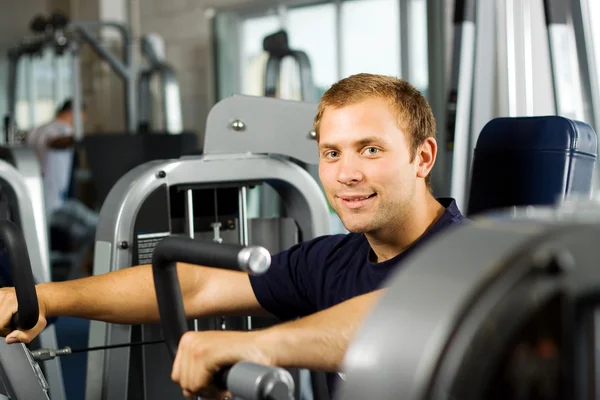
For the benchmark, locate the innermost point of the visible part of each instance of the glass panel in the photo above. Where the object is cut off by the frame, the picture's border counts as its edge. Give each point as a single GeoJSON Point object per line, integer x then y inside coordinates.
{"type": "Point", "coordinates": [312, 29]}
{"type": "Point", "coordinates": [254, 59]}
{"type": "Point", "coordinates": [370, 37]}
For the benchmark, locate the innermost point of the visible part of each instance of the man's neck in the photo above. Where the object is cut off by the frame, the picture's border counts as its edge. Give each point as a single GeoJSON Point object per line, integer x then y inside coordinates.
{"type": "Point", "coordinates": [389, 243]}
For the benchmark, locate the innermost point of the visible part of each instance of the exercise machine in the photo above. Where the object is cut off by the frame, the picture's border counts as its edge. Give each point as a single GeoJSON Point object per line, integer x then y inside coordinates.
{"type": "Point", "coordinates": [244, 380]}
{"type": "Point", "coordinates": [499, 70]}
{"type": "Point", "coordinates": [153, 48]}
{"type": "Point", "coordinates": [203, 197]}
{"type": "Point", "coordinates": [513, 317]}
{"type": "Point", "coordinates": [63, 37]}
{"type": "Point", "coordinates": [22, 197]}
{"type": "Point", "coordinates": [20, 375]}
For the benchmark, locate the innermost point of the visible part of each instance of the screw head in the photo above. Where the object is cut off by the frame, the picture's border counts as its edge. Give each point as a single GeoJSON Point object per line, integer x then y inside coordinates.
{"type": "Point", "coordinates": [161, 174]}
{"type": "Point", "coordinates": [238, 125]}
{"type": "Point", "coordinates": [124, 245]}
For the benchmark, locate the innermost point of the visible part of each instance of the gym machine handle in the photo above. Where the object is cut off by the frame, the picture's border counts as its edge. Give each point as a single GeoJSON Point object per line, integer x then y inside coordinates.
{"type": "Point", "coordinates": [244, 379]}
{"type": "Point", "coordinates": [20, 268]}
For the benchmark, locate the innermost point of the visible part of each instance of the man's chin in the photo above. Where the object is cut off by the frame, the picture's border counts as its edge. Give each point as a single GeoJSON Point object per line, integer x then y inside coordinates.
{"type": "Point", "coordinates": [355, 227]}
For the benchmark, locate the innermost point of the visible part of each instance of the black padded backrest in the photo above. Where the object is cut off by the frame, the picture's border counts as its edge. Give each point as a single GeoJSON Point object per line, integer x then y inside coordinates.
{"type": "Point", "coordinates": [112, 155]}
{"type": "Point", "coordinates": [531, 161]}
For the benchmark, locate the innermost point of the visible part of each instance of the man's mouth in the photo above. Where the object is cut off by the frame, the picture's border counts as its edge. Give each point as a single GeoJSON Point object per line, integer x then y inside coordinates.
{"type": "Point", "coordinates": [356, 200]}
{"type": "Point", "coordinates": [352, 198]}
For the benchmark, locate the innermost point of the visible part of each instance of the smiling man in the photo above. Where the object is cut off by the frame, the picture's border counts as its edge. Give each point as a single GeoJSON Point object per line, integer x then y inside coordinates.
{"type": "Point", "coordinates": [376, 137]}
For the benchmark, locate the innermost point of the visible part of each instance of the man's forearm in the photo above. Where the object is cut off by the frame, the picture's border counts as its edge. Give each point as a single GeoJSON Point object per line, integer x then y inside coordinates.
{"type": "Point", "coordinates": [319, 341]}
{"type": "Point", "coordinates": [62, 142]}
{"type": "Point", "coordinates": [123, 297]}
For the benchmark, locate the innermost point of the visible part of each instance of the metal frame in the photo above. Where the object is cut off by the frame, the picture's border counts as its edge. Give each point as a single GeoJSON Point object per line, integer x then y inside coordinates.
{"type": "Point", "coordinates": [82, 31]}
{"type": "Point", "coordinates": [460, 100]}
{"type": "Point", "coordinates": [588, 71]}
{"type": "Point", "coordinates": [19, 375]}
{"type": "Point", "coordinates": [387, 361]}
{"type": "Point", "coordinates": [25, 193]}
{"type": "Point", "coordinates": [169, 87]}
{"type": "Point", "coordinates": [437, 91]}
{"type": "Point", "coordinates": [236, 130]}
{"type": "Point", "coordinates": [557, 13]}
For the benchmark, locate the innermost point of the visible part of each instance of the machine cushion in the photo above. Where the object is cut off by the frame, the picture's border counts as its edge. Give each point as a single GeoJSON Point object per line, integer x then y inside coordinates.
{"type": "Point", "coordinates": [531, 161]}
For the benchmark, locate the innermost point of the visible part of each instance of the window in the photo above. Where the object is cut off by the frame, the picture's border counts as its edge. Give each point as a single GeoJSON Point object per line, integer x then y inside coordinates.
{"type": "Point", "coordinates": [43, 83]}
{"type": "Point", "coordinates": [312, 30]}
{"type": "Point", "coordinates": [340, 39]}
{"type": "Point", "coordinates": [370, 37]}
{"type": "Point", "coordinates": [253, 31]}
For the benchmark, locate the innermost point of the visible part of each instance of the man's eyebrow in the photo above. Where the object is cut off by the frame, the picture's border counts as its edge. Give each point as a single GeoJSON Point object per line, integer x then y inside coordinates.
{"type": "Point", "coordinates": [370, 140]}
{"type": "Point", "coordinates": [330, 146]}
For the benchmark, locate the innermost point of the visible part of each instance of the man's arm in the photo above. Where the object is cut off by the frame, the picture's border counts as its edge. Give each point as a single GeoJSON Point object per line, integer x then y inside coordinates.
{"type": "Point", "coordinates": [316, 342]}
{"type": "Point", "coordinates": [128, 297]}
{"type": "Point", "coordinates": [60, 142]}
{"type": "Point", "coordinates": [319, 341]}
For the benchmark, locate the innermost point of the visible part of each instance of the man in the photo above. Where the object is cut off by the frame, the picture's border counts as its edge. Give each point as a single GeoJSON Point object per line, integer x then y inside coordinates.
{"type": "Point", "coordinates": [53, 144]}
{"type": "Point", "coordinates": [376, 140]}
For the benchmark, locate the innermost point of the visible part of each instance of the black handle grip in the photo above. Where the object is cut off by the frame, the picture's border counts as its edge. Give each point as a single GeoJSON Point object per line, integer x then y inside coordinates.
{"type": "Point", "coordinates": [184, 249]}
{"type": "Point", "coordinates": [20, 268]}
{"type": "Point", "coordinates": [246, 380]}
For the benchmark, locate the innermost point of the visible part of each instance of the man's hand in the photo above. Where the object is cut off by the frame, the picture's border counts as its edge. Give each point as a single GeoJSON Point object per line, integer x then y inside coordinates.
{"type": "Point", "coordinates": [201, 355]}
{"type": "Point", "coordinates": [8, 307]}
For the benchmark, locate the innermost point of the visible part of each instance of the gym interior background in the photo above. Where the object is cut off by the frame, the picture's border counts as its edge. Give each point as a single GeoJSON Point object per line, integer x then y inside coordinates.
{"type": "Point", "coordinates": [506, 60]}
{"type": "Point", "coordinates": [215, 50]}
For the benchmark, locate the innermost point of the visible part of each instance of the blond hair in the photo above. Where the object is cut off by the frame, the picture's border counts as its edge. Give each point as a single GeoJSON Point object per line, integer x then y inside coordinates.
{"type": "Point", "coordinates": [413, 113]}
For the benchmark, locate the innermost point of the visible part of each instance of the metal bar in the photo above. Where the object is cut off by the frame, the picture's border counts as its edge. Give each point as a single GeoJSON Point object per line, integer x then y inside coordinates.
{"type": "Point", "coordinates": [171, 99]}
{"type": "Point", "coordinates": [13, 62]}
{"type": "Point", "coordinates": [77, 93]}
{"type": "Point", "coordinates": [307, 86]}
{"type": "Point", "coordinates": [126, 70]}
{"type": "Point", "coordinates": [339, 52]}
{"type": "Point", "coordinates": [511, 58]}
{"type": "Point", "coordinates": [144, 104]}
{"type": "Point", "coordinates": [528, 55]}
{"type": "Point", "coordinates": [404, 9]}
{"type": "Point", "coordinates": [56, 86]}
{"type": "Point", "coordinates": [189, 226]}
{"type": "Point", "coordinates": [117, 65]}
{"type": "Point", "coordinates": [272, 74]}
{"type": "Point", "coordinates": [460, 101]}
{"type": "Point", "coordinates": [189, 213]}
{"type": "Point", "coordinates": [436, 92]}
{"type": "Point", "coordinates": [31, 92]}
{"type": "Point", "coordinates": [243, 229]}
{"type": "Point", "coordinates": [588, 68]}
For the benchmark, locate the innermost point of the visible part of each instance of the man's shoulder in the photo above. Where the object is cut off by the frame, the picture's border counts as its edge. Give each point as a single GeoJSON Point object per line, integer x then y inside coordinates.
{"type": "Point", "coordinates": [452, 213]}
{"type": "Point", "coordinates": [322, 247]}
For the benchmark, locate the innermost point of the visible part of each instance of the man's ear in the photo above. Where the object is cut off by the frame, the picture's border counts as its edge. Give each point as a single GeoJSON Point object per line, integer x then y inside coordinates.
{"type": "Point", "coordinates": [425, 157]}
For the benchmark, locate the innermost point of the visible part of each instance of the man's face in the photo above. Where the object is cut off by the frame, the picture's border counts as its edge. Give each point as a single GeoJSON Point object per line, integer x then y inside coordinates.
{"type": "Point", "coordinates": [365, 165]}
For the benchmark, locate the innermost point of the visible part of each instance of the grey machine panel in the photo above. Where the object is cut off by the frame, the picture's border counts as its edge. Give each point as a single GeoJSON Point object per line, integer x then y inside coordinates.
{"type": "Point", "coordinates": [435, 319]}
{"type": "Point", "coordinates": [18, 366]}
{"type": "Point", "coordinates": [237, 129]}
{"type": "Point", "coordinates": [20, 177]}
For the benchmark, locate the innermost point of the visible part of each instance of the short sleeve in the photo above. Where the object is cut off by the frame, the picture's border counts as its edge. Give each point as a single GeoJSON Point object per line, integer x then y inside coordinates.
{"type": "Point", "coordinates": [287, 290]}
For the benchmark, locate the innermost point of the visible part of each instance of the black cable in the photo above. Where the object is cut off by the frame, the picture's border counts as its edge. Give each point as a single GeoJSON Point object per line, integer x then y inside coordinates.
{"type": "Point", "coordinates": [115, 346]}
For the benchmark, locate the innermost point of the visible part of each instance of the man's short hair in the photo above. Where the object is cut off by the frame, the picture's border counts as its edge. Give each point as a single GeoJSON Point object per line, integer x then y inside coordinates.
{"type": "Point", "coordinates": [413, 113]}
{"type": "Point", "coordinates": [67, 106]}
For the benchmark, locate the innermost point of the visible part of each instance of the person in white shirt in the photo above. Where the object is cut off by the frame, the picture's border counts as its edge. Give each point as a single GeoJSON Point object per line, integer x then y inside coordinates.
{"type": "Point", "coordinates": [54, 143]}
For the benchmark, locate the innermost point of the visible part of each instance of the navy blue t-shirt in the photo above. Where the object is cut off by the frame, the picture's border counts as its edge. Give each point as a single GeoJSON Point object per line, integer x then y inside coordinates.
{"type": "Point", "coordinates": [325, 271]}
